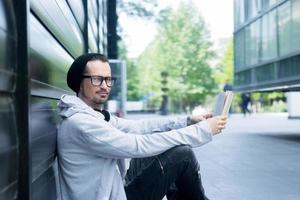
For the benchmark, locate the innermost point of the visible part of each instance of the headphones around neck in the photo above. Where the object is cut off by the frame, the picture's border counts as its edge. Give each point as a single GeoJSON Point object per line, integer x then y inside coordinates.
{"type": "Point", "coordinates": [105, 113]}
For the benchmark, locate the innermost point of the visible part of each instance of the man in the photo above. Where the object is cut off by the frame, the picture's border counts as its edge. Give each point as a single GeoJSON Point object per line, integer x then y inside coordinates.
{"type": "Point", "coordinates": [246, 100]}
{"type": "Point", "coordinates": [92, 144]}
{"type": "Point", "coordinates": [227, 86]}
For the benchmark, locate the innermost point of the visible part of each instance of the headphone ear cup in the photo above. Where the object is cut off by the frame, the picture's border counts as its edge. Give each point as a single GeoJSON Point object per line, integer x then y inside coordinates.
{"type": "Point", "coordinates": [106, 115]}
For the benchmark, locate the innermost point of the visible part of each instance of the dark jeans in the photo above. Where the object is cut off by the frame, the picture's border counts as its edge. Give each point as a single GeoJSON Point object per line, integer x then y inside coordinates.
{"type": "Point", "coordinates": [174, 173]}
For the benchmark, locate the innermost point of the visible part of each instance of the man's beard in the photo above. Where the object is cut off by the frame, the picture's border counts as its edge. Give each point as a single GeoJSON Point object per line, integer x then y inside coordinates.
{"type": "Point", "coordinates": [97, 99]}
{"type": "Point", "coordinates": [101, 97]}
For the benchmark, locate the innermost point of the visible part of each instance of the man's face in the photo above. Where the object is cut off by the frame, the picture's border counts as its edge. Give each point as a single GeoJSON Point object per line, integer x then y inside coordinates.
{"type": "Point", "coordinates": [91, 94]}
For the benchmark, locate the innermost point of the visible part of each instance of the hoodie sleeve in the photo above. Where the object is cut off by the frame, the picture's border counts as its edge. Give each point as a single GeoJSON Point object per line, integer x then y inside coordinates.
{"type": "Point", "coordinates": [145, 126]}
{"type": "Point", "coordinates": [104, 140]}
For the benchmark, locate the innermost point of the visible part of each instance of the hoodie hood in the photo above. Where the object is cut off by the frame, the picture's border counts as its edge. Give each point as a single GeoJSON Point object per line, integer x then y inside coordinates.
{"type": "Point", "coordinates": [70, 105]}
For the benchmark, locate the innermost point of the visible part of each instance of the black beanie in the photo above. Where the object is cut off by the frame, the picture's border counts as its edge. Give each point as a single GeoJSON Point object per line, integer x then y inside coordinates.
{"type": "Point", "coordinates": [76, 70]}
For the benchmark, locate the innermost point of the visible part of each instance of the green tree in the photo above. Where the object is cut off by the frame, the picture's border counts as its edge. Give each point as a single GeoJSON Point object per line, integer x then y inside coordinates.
{"type": "Point", "coordinates": [224, 72]}
{"type": "Point", "coordinates": [146, 9]}
{"type": "Point", "coordinates": [133, 93]}
{"type": "Point", "coordinates": [181, 48]}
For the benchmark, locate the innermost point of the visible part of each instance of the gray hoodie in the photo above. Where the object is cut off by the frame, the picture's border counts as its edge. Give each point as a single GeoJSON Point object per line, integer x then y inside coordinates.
{"type": "Point", "coordinates": [89, 147]}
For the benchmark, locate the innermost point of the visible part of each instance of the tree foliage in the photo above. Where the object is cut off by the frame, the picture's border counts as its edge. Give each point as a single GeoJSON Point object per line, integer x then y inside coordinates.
{"type": "Point", "coordinates": [224, 71]}
{"type": "Point", "coordinates": [146, 9]}
{"type": "Point", "coordinates": [133, 92]}
{"type": "Point", "coordinates": [181, 48]}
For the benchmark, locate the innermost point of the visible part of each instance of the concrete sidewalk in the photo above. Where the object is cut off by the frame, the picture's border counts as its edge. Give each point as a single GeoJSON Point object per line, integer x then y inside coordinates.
{"type": "Point", "coordinates": [256, 158]}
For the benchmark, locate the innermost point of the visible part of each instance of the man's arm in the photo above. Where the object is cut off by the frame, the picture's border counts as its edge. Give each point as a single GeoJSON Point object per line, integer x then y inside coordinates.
{"type": "Point", "coordinates": [145, 126]}
{"type": "Point", "coordinates": [197, 118]}
{"type": "Point", "coordinates": [102, 139]}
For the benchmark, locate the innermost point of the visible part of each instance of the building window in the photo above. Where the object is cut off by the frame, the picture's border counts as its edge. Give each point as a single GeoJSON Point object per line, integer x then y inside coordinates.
{"type": "Point", "coordinates": [268, 3]}
{"type": "Point", "coordinates": [289, 67]}
{"type": "Point", "coordinates": [252, 42]}
{"type": "Point", "coordinates": [239, 49]}
{"type": "Point", "coordinates": [269, 36]}
{"type": "Point", "coordinates": [239, 18]}
{"type": "Point", "coordinates": [295, 25]}
{"type": "Point", "coordinates": [265, 73]}
{"type": "Point", "coordinates": [284, 26]}
{"type": "Point", "coordinates": [253, 8]}
{"type": "Point", "coordinates": [272, 2]}
{"type": "Point", "coordinates": [243, 78]}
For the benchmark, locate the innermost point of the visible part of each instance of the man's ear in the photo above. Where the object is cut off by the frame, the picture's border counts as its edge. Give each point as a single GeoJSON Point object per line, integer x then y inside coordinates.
{"type": "Point", "coordinates": [80, 89]}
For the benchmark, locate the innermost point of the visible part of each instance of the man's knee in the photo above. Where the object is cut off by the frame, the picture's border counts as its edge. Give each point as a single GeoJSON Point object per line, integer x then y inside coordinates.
{"type": "Point", "coordinates": [183, 153]}
{"type": "Point", "coordinates": [182, 150]}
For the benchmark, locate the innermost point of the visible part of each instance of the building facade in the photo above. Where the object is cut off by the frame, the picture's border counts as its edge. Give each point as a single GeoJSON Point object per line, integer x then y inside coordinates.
{"type": "Point", "coordinates": [267, 45]}
{"type": "Point", "coordinates": [39, 40]}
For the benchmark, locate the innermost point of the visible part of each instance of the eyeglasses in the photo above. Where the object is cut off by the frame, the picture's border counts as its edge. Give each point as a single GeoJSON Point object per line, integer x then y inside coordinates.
{"type": "Point", "coordinates": [98, 80]}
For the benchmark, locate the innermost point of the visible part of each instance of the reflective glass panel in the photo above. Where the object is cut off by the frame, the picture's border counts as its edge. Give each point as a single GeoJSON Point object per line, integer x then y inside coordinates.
{"type": "Point", "coordinates": [269, 36]}
{"type": "Point", "coordinates": [295, 25]}
{"type": "Point", "coordinates": [284, 25]}
{"type": "Point", "coordinates": [252, 43]}
{"type": "Point", "coordinates": [239, 49]}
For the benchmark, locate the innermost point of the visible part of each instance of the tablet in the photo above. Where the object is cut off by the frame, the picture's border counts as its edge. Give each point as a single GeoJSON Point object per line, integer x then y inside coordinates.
{"type": "Point", "coordinates": [223, 103]}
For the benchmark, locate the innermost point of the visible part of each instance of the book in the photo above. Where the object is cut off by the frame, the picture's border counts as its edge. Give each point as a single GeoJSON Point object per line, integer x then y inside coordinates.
{"type": "Point", "coordinates": [223, 103]}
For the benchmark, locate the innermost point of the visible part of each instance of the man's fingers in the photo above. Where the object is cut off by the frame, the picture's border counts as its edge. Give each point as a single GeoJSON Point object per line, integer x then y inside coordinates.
{"type": "Point", "coordinates": [207, 116]}
{"type": "Point", "coordinates": [222, 122]}
{"type": "Point", "coordinates": [221, 126]}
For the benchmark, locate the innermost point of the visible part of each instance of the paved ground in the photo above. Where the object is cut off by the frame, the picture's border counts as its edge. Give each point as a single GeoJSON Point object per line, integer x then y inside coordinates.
{"type": "Point", "coordinates": [256, 158]}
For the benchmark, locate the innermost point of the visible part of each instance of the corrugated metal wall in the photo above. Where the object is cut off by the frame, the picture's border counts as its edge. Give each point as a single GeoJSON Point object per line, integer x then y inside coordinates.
{"type": "Point", "coordinates": [58, 31]}
{"type": "Point", "coordinates": [8, 128]}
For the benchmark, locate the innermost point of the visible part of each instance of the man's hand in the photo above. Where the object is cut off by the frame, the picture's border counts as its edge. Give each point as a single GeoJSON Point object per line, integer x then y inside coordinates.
{"type": "Point", "coordinates": [217, 124]}
{"type": "Point", "coordinates": [198, 118]}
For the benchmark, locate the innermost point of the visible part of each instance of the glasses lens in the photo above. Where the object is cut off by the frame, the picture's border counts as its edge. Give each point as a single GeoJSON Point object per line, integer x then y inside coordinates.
{"type": "Point", "coordinates": [108, 81]}
{"type": "Point", "coordinates": [97, 80]}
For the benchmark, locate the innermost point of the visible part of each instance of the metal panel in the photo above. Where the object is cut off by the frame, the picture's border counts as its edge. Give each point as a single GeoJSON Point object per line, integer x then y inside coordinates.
{"type": "Point", "coordinates": [112, 37]}
{"type": "Point", "coordinates": [7, 48]}
{"type": "Point", "coordinates": [93, 18]}
{"type": "Point", "coordinates": [78, 11]}
{"type": "Point", "coordinates": [3, 23]}
{"type": "Point", "coordinates": [28, 123]}
{"type": "Point", "coordinates": [49, 62]}
{"type": "Point", "coordinates": [8, 132]}
{"type": "Point", "coordinates": [43, 121]}
{"type": "Point", "coordinates": [58, 18]}
{"type": "Point", "coordinates": [92, 40]}
{"type": "Point", "coordinates": [8, 149]}
{"type": "Point", "coordinates": [45, 187]}
{"type": "Point", "coordinates": [7, 62]}
{"type": "Point", "coordinates": [21, 98]}
{"type": "Point", "coordinates": [40, 89]}
{"type": "Point", "coordinates": [94, 7]}
{"type": "Point", "coordinates": [102, 29]}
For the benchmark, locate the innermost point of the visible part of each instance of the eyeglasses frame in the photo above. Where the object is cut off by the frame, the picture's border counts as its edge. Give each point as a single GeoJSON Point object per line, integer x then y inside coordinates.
{"type": "Point", "coordinates": [102, 78]}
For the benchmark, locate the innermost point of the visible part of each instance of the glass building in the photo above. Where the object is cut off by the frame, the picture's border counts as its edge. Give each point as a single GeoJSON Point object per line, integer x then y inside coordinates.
{"type": "Point", "coordinates": [267, 45]}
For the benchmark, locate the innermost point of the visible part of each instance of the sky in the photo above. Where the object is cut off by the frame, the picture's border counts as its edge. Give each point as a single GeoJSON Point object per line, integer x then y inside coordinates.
{"type": "Point", "coordinates": [218, 15]}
